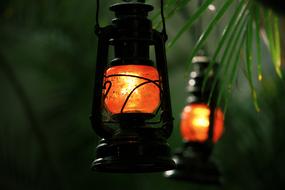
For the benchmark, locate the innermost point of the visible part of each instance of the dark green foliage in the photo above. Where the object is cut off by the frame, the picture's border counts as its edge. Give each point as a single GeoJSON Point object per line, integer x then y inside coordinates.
{"type": "Point", "coordinates": [252, 151]}
{"type": "Point", "coordinates": [47, 58]}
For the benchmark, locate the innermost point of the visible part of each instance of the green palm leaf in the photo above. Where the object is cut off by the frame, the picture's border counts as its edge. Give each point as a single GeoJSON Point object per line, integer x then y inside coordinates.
{"type": "Point", "coordinates": [253, 27]}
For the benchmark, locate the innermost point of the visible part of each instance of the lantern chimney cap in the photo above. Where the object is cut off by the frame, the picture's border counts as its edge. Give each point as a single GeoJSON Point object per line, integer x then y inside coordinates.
{"type": "Point", "coordinates": [131, 8]}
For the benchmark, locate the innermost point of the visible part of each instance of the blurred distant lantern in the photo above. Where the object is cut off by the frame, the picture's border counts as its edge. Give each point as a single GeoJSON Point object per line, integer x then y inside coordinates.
{"type": "Point", "coordinates": [131, 109]}
{"type": "Point", "coordinates": [201, 127]}
{"type": "Point", "coordinates": [195, 123]}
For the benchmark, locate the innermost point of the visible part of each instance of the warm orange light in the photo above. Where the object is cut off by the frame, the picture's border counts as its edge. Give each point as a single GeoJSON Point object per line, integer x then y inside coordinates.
{"type": "Point", "coordinates": [132, 89]}
{"type": "Point", "coordinates": [195, 122]}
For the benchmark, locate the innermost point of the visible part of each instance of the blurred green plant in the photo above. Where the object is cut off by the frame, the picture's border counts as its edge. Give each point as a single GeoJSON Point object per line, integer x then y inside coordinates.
{"type": "Point", "coordinates": [247, 24]}
{"type": "Point", "coordinates": [252, 150]}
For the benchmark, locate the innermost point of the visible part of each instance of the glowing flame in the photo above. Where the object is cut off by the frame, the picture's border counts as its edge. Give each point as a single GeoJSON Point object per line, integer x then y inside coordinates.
{"type": "Point", "coordinates": [132, 89]}
{"type": "Point", "coordinates": [195, 123]}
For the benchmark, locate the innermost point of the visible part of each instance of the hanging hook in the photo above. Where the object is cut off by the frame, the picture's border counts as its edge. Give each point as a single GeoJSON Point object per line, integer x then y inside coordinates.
{"type": "Point", "coordinates": [97, 28]}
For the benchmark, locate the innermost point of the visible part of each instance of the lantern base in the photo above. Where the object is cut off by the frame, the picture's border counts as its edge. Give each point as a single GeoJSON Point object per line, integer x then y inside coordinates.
{"type": "Point", "coordinates": [130, 155]}
{"type": "Point", "coordinates": [192, 167]}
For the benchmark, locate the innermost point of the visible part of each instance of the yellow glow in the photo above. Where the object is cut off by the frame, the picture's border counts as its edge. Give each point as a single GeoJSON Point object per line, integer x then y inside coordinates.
{"type": "Point", "coordinates": [128, 84]}
{"type": "Point", "coordinates": [201, 122]}
{"type": "Point", "coordinates": [201, 117]}
{"type": "Point", "coordinates": [201, 111]}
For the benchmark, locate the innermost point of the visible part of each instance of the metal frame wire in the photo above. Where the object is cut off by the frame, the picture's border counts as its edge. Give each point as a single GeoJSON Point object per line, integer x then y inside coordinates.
{"type": "Point", "coordinates": [147, 81]}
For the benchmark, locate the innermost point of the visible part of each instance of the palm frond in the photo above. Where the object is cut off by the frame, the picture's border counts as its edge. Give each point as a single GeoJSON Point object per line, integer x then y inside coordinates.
{"type": "Point", "coordinates": [208, 30]}
{"type": "Point", "coordinates": [258, 43]}
{"type": "Point", "coordinates": [190, 22]}
{"type": "Point", "coordinates": [253, 11]}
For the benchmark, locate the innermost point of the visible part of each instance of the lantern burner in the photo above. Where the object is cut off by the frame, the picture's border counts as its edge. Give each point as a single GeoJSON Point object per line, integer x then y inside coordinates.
{"type": "Point", "coordinates": [133, 152]}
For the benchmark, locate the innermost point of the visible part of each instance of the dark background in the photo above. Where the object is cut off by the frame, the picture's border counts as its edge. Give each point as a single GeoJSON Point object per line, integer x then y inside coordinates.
{"type": "Point", "coordinates": [47, 59]}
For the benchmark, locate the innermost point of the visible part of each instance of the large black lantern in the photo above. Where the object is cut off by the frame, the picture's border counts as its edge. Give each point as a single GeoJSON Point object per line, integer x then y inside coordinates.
{"type": "Point", "coordinates": [201, 127]}
{"type": "Point", "coordinates": [131, 108]}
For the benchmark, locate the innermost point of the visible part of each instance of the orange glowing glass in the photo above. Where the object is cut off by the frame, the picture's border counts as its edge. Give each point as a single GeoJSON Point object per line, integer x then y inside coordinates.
{"type": "Point", "coordinates": [132, 89]}
{"type": "Point", "coordinates": [195, 123]}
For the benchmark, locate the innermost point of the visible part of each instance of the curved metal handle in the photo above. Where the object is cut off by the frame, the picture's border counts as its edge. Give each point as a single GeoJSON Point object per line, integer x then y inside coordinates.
{"type": "Point", "coordinates": [104, 36]}
{"type": "Point", "coordinates": [167, 118]}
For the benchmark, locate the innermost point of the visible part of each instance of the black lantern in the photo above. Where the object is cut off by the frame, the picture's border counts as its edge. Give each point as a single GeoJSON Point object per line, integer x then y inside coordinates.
{"type": "Point", "coordinates": [201, 127]}
{"type": "Point", "coordinates": [131, 109]}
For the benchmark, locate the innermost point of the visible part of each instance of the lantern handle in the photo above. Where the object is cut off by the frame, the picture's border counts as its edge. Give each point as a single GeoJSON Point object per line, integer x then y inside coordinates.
{"type": "Point", "coordinates": [163, 21]}
{"type": "Point", "coordinates": [104, 37]}
{"type": "Point", "coordinates": [97, 24]}
{"type": "Point", "coordinates": [166, 117]}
